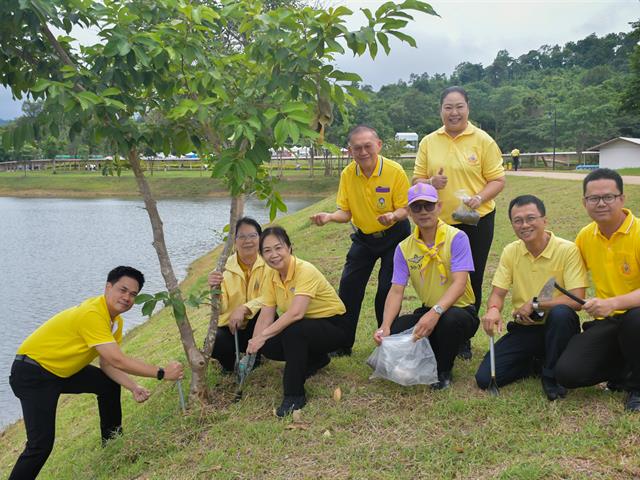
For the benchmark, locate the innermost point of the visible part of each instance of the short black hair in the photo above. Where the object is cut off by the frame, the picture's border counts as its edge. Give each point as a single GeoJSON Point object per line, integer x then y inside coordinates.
{"type": "Point", "coordinates": [602, 174]}
{"type": "Point", "coordinates": [523, 200]}
{"type": "Point", "coordinates": [122, 271]}
{"type": "Point", "coordinates": [278, 232]}
{"type": "Point", "coordinates": [454, 89]}
{"type": "Point", "coordinates": [248, 221]}
{"type": "Point", "coordinates": [360, 129]}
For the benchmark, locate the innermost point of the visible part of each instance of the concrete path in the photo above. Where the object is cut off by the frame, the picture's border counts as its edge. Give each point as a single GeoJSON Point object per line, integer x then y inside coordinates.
{"type": "Point", "coordinates": [627, 179]}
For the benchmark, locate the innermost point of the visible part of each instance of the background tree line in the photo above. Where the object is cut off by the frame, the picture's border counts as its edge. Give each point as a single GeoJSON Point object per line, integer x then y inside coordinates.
{"type": "Point", "coordinates": [592, 86]}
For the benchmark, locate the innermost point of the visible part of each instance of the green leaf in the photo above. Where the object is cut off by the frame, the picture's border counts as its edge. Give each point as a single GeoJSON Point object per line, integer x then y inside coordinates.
{"type": "Point", "coordinates": [143, 298]}
{"type": "Point", "coordinates": [404, 37]}
{"type": "Point", "coordinates": [179, 310]}
{"type": "Point", "coordinates": [148, 307]}
{"type": "Point", "coordinates": [383, 38]}
{"type": "Point", "coordinates": [280, 131]}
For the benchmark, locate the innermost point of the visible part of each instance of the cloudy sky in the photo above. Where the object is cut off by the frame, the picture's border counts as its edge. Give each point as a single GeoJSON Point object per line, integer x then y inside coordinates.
{"type": "Point", "coordinates": [471, 31]}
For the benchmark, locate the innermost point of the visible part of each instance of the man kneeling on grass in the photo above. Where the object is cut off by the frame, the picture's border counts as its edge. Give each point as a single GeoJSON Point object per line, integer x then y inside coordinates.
{"type": "Point", "coordinates": [437, 259]}
{"type": "Point", "coordinates": [55, 359]}
{"type": "Point", "coordinates": [541, 328]}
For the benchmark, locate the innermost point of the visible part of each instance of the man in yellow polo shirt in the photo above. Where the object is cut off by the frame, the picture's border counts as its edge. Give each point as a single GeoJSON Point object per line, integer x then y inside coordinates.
{"type": "Point", "coordinates": [55, 359]}
{"type": "Point", "coordinates": [608, 349]}
{"type": "Point", "coordinates": [373, 196]}
{"type": "Point", "coordinates": [540, 329]}
{"type": "Point", "coordinates": [515, 159]}
{"type": "Point", "coordinates": [437, 260]}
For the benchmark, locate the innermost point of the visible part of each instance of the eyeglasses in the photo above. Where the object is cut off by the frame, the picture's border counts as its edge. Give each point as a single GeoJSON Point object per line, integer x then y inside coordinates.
{"type": "Point", "coordinates": [426, 206]}
{"type": "Point", "coordinates": [248, 236]}
{"type": "Point", "coordinates": [361, 148]}
{"type": "Point", "coordinates": [608, 199]}
{"type": "Point", "coordinates": [519, 221]}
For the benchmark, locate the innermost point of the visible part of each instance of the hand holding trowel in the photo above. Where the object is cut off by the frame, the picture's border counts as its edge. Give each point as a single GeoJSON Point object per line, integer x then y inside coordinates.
{"type": "Point", "coordinates": [546, 293]}
{"type": "Point", "coordinates": [242, 367]}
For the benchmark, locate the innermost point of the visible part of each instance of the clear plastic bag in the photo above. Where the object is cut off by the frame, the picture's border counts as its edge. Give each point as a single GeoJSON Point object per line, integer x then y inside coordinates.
{"type": "Point", "coordinates": [404, 361]}
{"type": "Point", "coordinates": [463, 213]}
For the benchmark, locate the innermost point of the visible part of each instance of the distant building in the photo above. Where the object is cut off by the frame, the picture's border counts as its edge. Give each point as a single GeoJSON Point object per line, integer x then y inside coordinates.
{"type": "Point", "coordinates": [410, 137]}
{"type": "Point", "coordinates": [619, 152]}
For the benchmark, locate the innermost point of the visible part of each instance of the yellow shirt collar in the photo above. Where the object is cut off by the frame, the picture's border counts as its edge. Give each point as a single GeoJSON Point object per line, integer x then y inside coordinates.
{"type": "Point", "coordinates": [377, 171]}
{"type": "Point", "coordinates": [623, 229]}
{"type": "Point", "coordinates": [548, 250]}
{"type": "Point", "coordinates": [467, 131]}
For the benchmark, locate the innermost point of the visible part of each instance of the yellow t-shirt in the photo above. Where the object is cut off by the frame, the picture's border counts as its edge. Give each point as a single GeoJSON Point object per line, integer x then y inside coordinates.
{"type": "Point", "coordinates": [384, 191]}
{"type": "Point", "coordinates": [614, 262]}
{"type": "Point", "coordinates": [65, 343]}
{"type": "Point", "coordinates": [241, 286]}
{"type": "Point", "coordinates": [515, 152]}
{"type": "Point", "coordinates": [427, 284]}
{"type": "Point", "coordinates": [469, 161]}
{"type": "Point", "coordinates": [302, 279]}
{"type": "Point", "coordinates": [525, 275]}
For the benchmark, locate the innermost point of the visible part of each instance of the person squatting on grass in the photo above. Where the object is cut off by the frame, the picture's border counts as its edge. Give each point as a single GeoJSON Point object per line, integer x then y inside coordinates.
{"type": "Point", "coordinates": [241, 283]}
{"type": "Point", "coordinates": [460, 156]}
{"type": "Point", "coordinates": [437, 259]}
{"type": "Point", "coordinates": [55, 359]}
{"type": "Point", "coordinates": [373, 195]}
{"type": "Point", "coordinates": [608, 349]}
{"type": "Point", "coordinates": [540, 329]}
{"type": "Point", "coordinates": [311, 322]}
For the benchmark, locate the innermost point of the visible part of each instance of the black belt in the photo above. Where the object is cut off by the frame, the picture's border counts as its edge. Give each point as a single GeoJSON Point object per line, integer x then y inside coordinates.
{"type": "Point", "coordinates": [379, 234]}
{"type": "Point", "coordinates": [24, 358]}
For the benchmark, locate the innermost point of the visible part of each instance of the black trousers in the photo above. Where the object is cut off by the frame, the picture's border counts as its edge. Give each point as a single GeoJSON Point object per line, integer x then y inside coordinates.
{"type": "Point", "coordinates": [517, 350]}
{"type": "Point", "coordinates": [607, 349]}
{"type": "Point", "coordinates": [224, 348]}
{"type": "Point", "coordinates": [39, 390]}
{"type": "Point", "coordinates": [362, 256]}
{"type": "Point", "coordinates": [455, 326]}
{"type": "Point", "coordinates": [516, 162]}
{"type": "Point", "coordinates": [480, 238]}
{"type": "Point", "coordinates": [304, 343]}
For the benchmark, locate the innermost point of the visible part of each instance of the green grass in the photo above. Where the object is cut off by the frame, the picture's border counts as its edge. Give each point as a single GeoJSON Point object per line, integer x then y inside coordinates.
{"type": "Point", "coordinates": [378, 430]}
{"type": "Point", "coordinates": [171, 184]}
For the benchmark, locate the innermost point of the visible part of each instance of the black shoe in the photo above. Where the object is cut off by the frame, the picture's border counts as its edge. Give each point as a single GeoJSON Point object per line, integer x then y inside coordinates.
{"type": "Point", "coordinates": [291, 403]}
{"type": "Point", "coordinates": [633, 401]}
{"type": "Point", "coordinates": [341, 352]}
{"type": "Point", "coordinates": [315, 364]}
{"type": "Point", "coordinates": [444, 381]}
{"type": "Point", "coordinates": [464, 351]}
{"type": "Point", "coordinates": [552, 390]}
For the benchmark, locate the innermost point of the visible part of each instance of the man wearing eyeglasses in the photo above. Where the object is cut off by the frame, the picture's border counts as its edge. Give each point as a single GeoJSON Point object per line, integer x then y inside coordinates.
{"type": "Point", "coordinates": [437, 259]}
{"type": "Point", "coordinates": [540, 328]}
{"type": "Point", "coordinates": [372, 195]}
{"type": "Point", "coordinates": [607, 349]}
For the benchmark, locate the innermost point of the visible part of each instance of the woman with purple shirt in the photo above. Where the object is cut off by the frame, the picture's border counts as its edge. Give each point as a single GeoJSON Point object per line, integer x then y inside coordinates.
{"type": "Point", "coordinates": [437, 259]}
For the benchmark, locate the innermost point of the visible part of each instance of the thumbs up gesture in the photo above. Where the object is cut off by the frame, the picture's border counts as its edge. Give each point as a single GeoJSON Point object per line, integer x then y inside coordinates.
{"type": "Point", "coordinates": [439, 181]}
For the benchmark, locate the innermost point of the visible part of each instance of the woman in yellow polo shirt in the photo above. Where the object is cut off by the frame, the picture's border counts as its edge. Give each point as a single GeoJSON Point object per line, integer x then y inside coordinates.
{"type": "Point", "coordinates": [311, 322]}
{"type": "Point", "coordinates": [243, 277]}
{"type": "Point", "coordinates": [460, 156]}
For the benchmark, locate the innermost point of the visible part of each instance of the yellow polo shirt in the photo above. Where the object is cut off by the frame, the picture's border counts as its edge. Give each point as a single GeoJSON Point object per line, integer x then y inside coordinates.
{"type": "Point", "coordinates": [302, 279]}
{"type": "Point", "coordinates": [240, 287]}
{"type": "Point", "coordinates": [384, 191]}
{"type": "Point", "coordinates": [525, 275]}
{"type": "Point", "coordinates": [65, 343]}
{"type": "Point", "coordinates": [469, 161]}
{"type": "Point", "coordinates": [515, 152]}
{"type": "Point", "coordinates": [614, 262]}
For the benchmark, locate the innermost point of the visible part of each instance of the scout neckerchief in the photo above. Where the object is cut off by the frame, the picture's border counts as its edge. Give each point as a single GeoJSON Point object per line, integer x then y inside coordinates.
{"type": "Point", "coordinates": [432, 253]}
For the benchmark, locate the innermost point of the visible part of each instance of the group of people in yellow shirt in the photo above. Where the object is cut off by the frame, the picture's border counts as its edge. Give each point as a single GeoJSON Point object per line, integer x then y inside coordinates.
{"type": "Point", "coordinates": [283, 308]}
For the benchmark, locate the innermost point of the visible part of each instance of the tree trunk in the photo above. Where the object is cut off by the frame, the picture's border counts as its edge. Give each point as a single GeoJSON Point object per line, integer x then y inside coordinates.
{"type": "Point", "coordinates": [235, 213]}
{"type": "Point", "coordinates": [196, 360]}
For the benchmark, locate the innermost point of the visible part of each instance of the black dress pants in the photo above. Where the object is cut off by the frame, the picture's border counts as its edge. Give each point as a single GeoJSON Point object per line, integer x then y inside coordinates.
{"type": "Point", "coordinates": [480, 239]}
{"type": "Point", "coordinates": [605, 350]}
{"type": "Point", "coordinates": [39, 390]}
{"type": "Point", "coordinates": [455, 326]}
{"type": "Point", "coordinates": [224, 348]}
{"type": "Point", "coordinates": [362, 256]}
{"type": "Point", "coordinates": [304, 343]}
{"type": "Point", "coordinates": [516, 351]}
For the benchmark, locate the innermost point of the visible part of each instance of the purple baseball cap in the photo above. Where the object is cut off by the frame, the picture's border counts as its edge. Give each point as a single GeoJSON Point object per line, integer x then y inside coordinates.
{"type": "Point", "coordinates": [423, 191]}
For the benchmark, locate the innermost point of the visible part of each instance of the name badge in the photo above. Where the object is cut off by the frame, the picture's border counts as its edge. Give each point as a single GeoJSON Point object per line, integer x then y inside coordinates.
{"type": "Point", "coordinates": [383, 189]}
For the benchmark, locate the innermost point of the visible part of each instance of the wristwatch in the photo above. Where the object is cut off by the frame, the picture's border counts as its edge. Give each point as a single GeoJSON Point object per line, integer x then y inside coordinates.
{"type": "Point", "coordinates": [160, 373]}
{"type": "Point", "coordinates": [438, 309]}
{"type": "Point", "coordinates": [535, 304]}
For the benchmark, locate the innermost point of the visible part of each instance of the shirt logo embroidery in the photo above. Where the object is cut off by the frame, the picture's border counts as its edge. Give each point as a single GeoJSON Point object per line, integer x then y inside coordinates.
{"type": "Point", "coordinates": [416, 259]}
{"type": "Point", "coordinates": [626, 268]}
{"type": "Point", "coordinates": [381, 202]}
{"type": "Point", "coordinates": [293, 290]}
{"type": "Point", "coordinates": [473, 158]}
{"type": "Point", "coordinates": [383, 189]}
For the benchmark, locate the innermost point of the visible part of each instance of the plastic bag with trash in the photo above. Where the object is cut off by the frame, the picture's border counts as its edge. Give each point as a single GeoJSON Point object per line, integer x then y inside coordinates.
{"type": "Point", "coordinates": [463, 213]}
{"type": "Point", "coordinates": [403, 361]}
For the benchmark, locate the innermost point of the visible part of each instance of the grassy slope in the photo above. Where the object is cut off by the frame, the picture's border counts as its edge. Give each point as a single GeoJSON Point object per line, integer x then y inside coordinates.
{"type": "Point", "coordinates": [163, 184]}
{"type": "Point", "coordinates": [377, 430]}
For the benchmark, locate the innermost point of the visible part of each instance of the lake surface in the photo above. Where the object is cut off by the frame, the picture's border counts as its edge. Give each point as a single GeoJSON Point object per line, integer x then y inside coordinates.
{"type": "Point", "coordinates": [57, 252]}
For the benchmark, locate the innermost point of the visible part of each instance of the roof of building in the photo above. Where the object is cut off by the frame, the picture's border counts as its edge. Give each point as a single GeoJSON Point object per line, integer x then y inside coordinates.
{"type": "Point", "coordinates": [626, 139]}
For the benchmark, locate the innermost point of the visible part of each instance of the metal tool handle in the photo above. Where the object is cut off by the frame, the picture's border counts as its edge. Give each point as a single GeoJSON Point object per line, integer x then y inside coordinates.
{"type": "Point", "coordinates": [569, 294]}
{"type": "Point", "coordinates": [492, 356]}
{"type": "Point", "coordinates": [183, 405]}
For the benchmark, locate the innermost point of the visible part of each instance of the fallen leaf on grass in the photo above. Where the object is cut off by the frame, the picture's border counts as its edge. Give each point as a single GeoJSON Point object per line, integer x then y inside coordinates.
{"type": "Point", "coordinates": [297, 416]}
{"type": "Point", "coordinates": [459, 449]}
{"type": "Point", "coordinates": [326, 434]}
{"type": "Point", "coordinates": [337, 394]}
